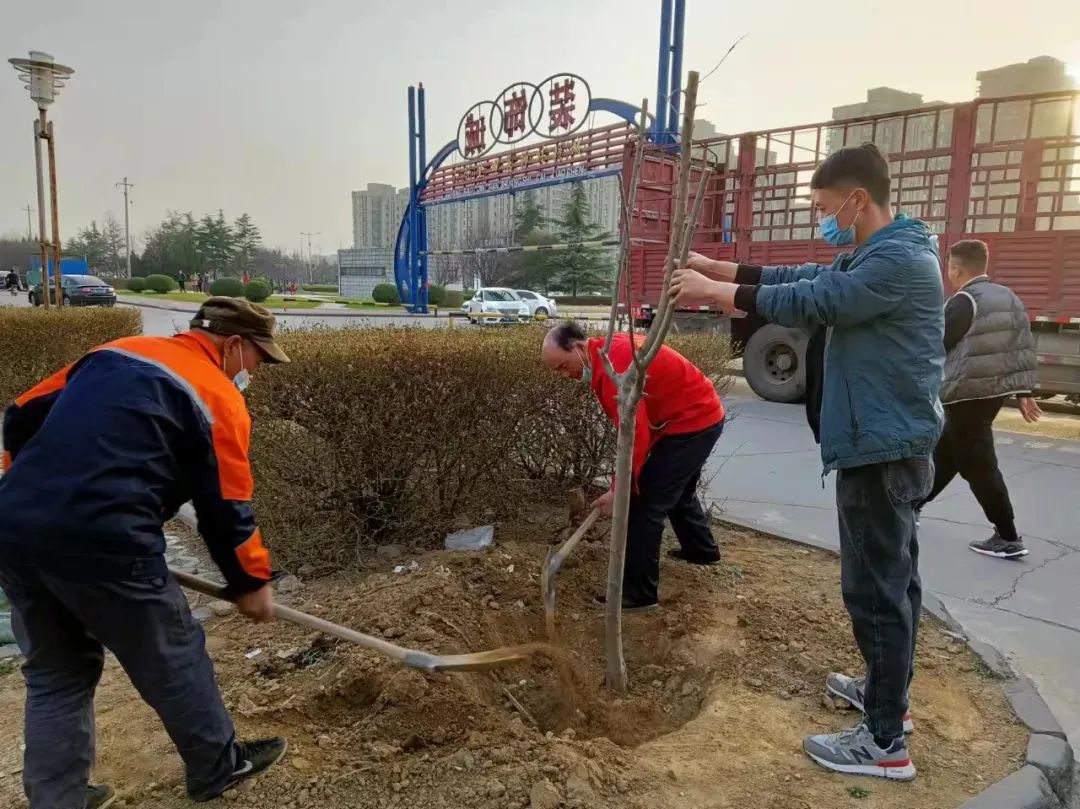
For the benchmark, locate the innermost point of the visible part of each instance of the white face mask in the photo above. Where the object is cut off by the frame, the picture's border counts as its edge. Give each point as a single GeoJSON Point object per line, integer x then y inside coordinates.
{"type": "Point", "coordinates": [242, 378]}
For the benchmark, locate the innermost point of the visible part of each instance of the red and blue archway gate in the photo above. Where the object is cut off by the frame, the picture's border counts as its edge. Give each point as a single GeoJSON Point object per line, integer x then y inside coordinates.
{"type": "Point", "coordinates": [554, 110]}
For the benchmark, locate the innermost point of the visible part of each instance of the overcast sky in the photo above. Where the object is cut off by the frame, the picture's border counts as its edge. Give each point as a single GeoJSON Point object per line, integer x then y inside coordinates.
{"type": "Point", "coordinates": [281, 108]}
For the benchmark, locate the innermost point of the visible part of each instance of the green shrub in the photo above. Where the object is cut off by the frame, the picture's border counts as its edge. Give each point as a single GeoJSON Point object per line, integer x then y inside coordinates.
{"type": "Point", "coordinates": [117, 283]}
{"type": "Point", "coordinates": [583, 300]}
{"type": "Point", "coordinates": [386, 293]}
{"type": "Point", "coordinates": [137, 284]}
{"type": "Point", "coordinates": [257, 290]}
{"type": "Point", "coordinates": [320, 288]}
{"type": "Point", "coordinates": [38, 343]}
{"type": "Point", "coordinates": [453, 298]}
{"type": "Point", "coordinates": [161, 283]}
{"type": "Point", "coordinates": [436, 294]}
{"type": "Point", "coordinates": [390, 435]}
{"type": "Point", "coordinates": [229, 287]}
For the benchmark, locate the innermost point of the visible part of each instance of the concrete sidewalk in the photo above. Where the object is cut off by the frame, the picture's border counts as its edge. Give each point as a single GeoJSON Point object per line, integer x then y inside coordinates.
{"type": "Point", "coordinates": [766, 473]}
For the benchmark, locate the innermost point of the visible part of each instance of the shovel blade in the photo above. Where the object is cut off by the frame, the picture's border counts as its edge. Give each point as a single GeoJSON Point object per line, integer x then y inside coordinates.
{"type": "Point", "coordinates": [477, 661]}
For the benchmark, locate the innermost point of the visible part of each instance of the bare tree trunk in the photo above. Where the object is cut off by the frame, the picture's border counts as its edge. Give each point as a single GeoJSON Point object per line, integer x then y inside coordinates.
{"type": "Point", "coordinates": [631, 382]}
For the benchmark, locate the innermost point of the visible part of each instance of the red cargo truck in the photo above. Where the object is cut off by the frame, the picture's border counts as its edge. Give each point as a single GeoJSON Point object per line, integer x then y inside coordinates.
{"type": "Point", "coordinates": [1004, 170]}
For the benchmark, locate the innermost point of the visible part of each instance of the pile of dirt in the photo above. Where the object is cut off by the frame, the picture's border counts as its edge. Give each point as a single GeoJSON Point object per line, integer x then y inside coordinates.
{"type": "Point", "coordinates": [724, 681]}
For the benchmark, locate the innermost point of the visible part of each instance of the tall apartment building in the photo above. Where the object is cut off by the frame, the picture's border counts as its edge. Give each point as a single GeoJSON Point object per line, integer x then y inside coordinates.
{"type": "Point", "coordinates": [377, 212]}
{"type": "Point", "coordinates": [1043, 74]}
{"type": "Point", "coordinates": [888, 134]}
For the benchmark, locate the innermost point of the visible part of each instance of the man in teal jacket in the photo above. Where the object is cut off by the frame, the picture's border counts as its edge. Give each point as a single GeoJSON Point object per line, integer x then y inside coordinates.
{"type": "Point", "coordinates": [880, 419]}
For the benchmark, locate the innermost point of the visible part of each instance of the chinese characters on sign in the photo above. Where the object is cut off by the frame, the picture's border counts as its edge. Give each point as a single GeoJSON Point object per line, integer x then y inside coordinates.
{"type": "Point", "coordinates": [474, 135]}
{"type": "Point", "coordinates": [556, 107]}
{"type": "Point", "coordinates": [561, 106]}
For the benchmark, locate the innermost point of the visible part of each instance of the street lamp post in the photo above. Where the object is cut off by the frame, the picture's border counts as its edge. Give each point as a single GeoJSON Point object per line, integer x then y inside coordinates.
{"type": "Point", "coordinates": [44, 78]}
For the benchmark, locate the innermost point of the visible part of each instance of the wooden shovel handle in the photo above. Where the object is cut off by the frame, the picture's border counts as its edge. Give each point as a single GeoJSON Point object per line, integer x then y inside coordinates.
{"type": "Point", "coordinates": [209, 588]}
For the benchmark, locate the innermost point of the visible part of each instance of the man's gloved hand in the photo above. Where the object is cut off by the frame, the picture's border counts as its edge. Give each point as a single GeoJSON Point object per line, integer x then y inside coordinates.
{"type": "Point", "coordinates": [604, 503]}
{"type": "Point", "coordinates": [258, 605]}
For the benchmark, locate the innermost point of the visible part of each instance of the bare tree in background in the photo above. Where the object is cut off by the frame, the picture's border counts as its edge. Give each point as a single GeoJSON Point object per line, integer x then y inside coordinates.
{"type": "Point", "coordinates": [482, 268]}
{"type": "Point", "coordinates": [631, 382]}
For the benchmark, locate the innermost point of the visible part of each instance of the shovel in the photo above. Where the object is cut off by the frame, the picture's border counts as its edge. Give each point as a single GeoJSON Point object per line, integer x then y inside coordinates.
{"type": "Point", "coordinates": [551, 566]}
{"type": "Point", "coordinates": [425, 661]}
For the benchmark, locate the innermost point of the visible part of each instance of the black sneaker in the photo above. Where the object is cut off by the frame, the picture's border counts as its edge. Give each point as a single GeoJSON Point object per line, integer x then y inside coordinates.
{"type": "Point", "coordinates": [98, 796]}
{"type": "Point", "coordinates": [252, 758]}
{"type": "Point", "coordinates": [628, 605]}
{"type": "Point", "coordinates": [680, 555]}
{"type": "Point", "coordinates": [1000, 548]}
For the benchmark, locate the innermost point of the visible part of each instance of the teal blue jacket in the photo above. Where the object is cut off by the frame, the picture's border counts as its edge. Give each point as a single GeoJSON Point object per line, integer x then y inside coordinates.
{"type": "Point", "coordinates": [884, 356]}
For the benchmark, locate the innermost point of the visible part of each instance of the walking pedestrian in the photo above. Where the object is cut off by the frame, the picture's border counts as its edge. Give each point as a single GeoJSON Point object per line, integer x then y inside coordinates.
{"type": "Point", "coordinates": [181, 278]}
{"type": "Point", "coordinates": [880, 420]}
{"type": "Point", "coordinates": [990, 357]}
{"type": "Point", "coordinates": [120, 439]}
{"type": "Point", "coordinates": [679, 421]}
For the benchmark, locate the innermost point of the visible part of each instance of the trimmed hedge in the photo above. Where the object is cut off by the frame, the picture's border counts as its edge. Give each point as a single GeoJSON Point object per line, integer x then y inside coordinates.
{"type": "Point", "coordinates": [386, 293]}
{"type": "Point", "coordinates": [583, 300]}
{"type": "Point", "coordinates": [229, 287]}
{"type": "Point", "coordinates": [161, 283]}
{"type": "Point", "coordinates": [137, 284]}
{"type": "Point", "coordinates": [453, 298]}
{"type": "Point", "coordinates": [391, 435]}
{"type": "Point", "coordinates": [257, 290]}
{"type": "Point", "coordinates": [38, 343]}
{"type": "Point", "coordinates": [320, 288]}
{"type": "Point", "coordinates": [436, 294]}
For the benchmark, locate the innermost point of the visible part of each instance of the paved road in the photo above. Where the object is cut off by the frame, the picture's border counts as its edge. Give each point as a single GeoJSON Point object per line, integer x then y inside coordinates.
{"type": "Point", "coordinates": [767, 472]}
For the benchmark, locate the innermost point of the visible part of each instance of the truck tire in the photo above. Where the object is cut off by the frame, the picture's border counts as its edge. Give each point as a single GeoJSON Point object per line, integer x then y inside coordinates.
{"type": "Point", "coordinates": [774, 363]}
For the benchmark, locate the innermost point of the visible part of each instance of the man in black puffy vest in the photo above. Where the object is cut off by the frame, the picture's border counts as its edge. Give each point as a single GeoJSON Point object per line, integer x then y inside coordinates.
{"type": "Point", "coordinates": [990, 355]}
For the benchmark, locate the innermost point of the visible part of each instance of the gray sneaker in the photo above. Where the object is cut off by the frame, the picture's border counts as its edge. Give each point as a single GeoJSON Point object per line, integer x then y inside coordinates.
{"type": "Point", "coordinates": [855, 752]}
{"type": "Point", "coordinates": [853, 690]}
{"type": "Point", "coordinates": [1000, 548]}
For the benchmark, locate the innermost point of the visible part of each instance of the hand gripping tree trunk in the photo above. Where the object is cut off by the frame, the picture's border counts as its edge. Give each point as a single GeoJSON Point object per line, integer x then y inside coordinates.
{"type": "Point", "coordinates": [631, 382]}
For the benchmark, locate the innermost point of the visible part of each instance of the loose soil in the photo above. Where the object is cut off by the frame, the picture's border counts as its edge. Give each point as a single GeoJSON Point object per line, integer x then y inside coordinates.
{"type": "Point", "coordinates": [725, 679]}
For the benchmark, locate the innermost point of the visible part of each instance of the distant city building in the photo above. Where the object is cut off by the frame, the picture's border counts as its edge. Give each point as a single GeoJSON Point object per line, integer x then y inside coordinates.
{"type": "Point", "coordinates": [362, 268]}
{"type": "Point", "coordinates": [1043, 74]}
{"type": "Point", "coordinates": [377, 213]}
{"type": "Point", "coordinates": [888, 135]}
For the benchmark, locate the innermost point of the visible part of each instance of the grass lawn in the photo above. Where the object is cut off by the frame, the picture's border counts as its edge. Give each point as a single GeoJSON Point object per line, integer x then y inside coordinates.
{"type": "Point", "coordinates": [371, 306]}
{"type": "Point", "coordinates": [273, 302]}
{"type": "Point", "coordinates": [280, 302]}
{"type": "Point", "coordinates": [176, 295]}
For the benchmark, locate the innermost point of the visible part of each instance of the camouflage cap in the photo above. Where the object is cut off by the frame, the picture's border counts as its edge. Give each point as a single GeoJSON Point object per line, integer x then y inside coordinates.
{"type": "Point", "coordinates": [229, 316]}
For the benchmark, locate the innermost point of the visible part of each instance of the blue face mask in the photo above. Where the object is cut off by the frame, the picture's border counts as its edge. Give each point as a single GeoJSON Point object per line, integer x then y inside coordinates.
{"type": "Point", "coordinates": [586, 370]}
{"type": "Point", "coordinates": [832, 233]}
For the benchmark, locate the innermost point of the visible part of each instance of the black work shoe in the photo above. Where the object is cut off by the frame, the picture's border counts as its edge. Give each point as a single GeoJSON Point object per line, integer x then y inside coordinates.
{"type": "Point", "coordinates": [680, 555]}
{"type": "Point", "coordinates": [252, 758]}
{"type": "Point", "coordinates": [628, 605]}
{"type": "Point", "coordinates": [98, 796]}
{"type": "Point", "coordinates": [1001, 548]}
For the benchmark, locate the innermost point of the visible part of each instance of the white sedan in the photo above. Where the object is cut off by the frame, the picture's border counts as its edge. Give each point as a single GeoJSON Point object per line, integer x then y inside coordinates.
{"type": "Point", "coordinates": [496, 304]}
{"type": "Point", "coordinates": [539, 305]}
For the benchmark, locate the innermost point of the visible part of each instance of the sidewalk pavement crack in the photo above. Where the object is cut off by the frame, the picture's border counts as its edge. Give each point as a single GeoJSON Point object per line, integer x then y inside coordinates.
{"type": "Point", "coordinates": [1021, 575]}
{"type": "Point", "coordinates": [979, 603]}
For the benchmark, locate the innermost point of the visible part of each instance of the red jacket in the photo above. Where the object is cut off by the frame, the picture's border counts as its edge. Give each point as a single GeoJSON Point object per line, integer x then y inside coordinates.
{"type": "Point", "coordinates": [678, 398]}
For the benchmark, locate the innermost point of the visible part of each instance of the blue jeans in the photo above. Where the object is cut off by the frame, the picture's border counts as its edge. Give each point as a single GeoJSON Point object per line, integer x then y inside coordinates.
{"type": "Point", "coordinates": [879, 574]}
{"type": "Point", "coordinates": [63, 628]}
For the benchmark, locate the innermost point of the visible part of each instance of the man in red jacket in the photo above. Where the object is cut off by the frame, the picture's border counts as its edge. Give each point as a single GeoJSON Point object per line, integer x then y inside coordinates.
{"type": "Point", "coordinates": [679, 420]}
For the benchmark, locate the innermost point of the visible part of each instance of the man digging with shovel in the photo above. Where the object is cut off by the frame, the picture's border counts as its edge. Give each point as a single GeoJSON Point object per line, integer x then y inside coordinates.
{"type": "Point", "coordinates": [98, 456]}
{"type": "Point", "coordinates": [678, 424]}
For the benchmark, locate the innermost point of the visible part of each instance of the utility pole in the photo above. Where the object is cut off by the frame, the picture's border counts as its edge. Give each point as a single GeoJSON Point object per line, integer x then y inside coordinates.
{"type": "Point", "coordinates": [127, 227]}
{"type": "Point", "coordinates": [311, 258]}
{"type": "Point", "coordinates": [29, 227]}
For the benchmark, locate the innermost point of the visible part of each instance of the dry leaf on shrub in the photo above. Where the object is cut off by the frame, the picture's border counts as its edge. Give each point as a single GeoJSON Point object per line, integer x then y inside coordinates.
{"type": "Point", "coordinates": [390, 435]}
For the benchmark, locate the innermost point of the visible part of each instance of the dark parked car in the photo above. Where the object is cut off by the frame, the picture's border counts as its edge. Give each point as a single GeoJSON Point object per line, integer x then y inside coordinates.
{"type": "Point", "coordinates": [79, 290]}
